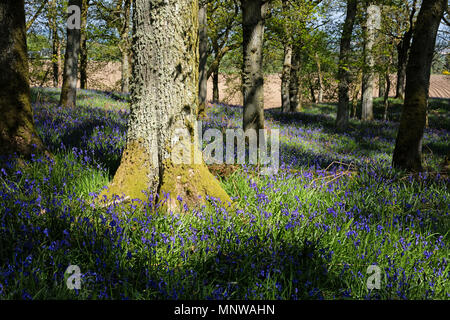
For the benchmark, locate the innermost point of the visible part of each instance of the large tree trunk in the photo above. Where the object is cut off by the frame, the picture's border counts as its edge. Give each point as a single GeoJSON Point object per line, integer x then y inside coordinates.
{"type": "Point", "coordinates": [203, 51]}
{"type": "Point", "coordinates": [164, 102]}
{"type": "Point", "coordinates": [372, 24]}
{"type": "Point", "coordinates": [17, 131]}
{"type": "Point", "coordinates": [70, 77]}
{"type": "Point", "coordinates": [253, 16]}
{"type": "Point", "coordinates": [343, 75]}
{"type": "Point", "coordinates": [125, 47]}
{"type": "Point", "coordinates": [408, 147]}
{"type": "Point", "coordinates": [83, 46]}
{"type": "Point", "coordinates": [295, 102]}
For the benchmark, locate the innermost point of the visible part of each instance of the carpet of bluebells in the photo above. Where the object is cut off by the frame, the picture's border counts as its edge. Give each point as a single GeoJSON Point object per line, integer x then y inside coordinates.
{"type": "Point", "coordinates": [335, 207]}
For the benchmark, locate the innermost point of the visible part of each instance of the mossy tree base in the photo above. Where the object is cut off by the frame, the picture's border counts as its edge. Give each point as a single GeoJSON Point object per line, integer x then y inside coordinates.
{"type": "Point", "coordinates": [137, 178]}
{"type": "Point", "coordinates": [132, 176]}
{"type": "Point", "coordinates": [192, 183]}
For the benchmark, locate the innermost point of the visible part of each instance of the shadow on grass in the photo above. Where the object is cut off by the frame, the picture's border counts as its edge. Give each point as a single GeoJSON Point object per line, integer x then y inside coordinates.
{"type": "Point", "coordinates": [259, 271]}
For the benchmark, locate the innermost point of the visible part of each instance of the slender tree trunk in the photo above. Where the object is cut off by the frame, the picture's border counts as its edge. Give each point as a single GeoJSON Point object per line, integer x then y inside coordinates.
{"type": "Point", "coordinates": [125, 66]}
{"type": "Point", "coordinates": [55, 58]}
{"type": "Point", "coordinates": [253, 16]}
{"type": "Point", "coordinates": [17, 131]}
{"type": "Point", "coordinates": [70, 77]}
{"type": "Point", "coordinates": [287, 62]}
{"type": "Point", "coordinates": [355, 96]}
{"type": "Point", "coordinates": [203, 51]}
{"type": "Point", "coordinates": [408, 147]}
{"type": "Point", "coordinates": [216, 93]}
{"type": "Point", "coordinates": [83, 46]}
{"type": "Point", "coordinates": [387, 81]}
{"type": "Point", "coordinates": [320, 78]}
{"type": "Point", "coordinates": [372, 24]}
{"type": "Point", "coordinates": [125, 46]}
{"type": "Point", "coordinates": [164, 102]}
{"type": "Point", "coordinates": [381, 84]}
{"type": "Point", "coordinates": [311, 89]}
{"type": "Point", "coordinates": [214, 69]}
{"type": "Point", "coordinates": [52, 22]}
{"type": "Point", "coordinates": [294, 83]}
{"type": "Point", "coordinates": [402, 55]}
{"type": "Point", "coordinates": [285, 77]}
{"type": "Point", "coordinates": [59, 62]}
{"type": "Point", "coordinates": [343, 75]}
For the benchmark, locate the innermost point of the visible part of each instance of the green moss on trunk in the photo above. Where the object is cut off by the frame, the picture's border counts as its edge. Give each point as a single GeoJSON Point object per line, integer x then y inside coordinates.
{"type": "Point", "coordinates": [132, 177]}
{"type": "Point", "coordinates": [193, 183]}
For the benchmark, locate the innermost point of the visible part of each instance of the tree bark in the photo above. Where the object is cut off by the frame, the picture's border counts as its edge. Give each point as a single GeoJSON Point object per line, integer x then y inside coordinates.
{"type": "Point", "coordinates": [381, 84]}
{"type": "Point", "coordinates": [164, 101]}
{"type": "Point", "coordinates": [343, 75]}
{"type": "Point", "coordinates": [312, 90]}
{"type": "Point", "coordinates": [83, 46]}
{"type": "Point", "coordinates": [216, 94]}
{"type": "Point", "coordinates": [408, 147]}
{"type": "Point", "coordinates": [295, 102]}
{"type": "Point", "coordinates": [70, 77]}
{"type": "Point", "coordinates": [372, 24]}
{"type": "Point", "coordinates": [287, 63]}
{"type": "Point", "coordinates": [253, 16]}
{"type": "Point", "coordinates": [56, 46]}
{"type": "Point", "coordinates": [203, 51]}
{"type": "Point", "coordinates": [387, 81]}
{"type": "Point", "coordinates": [320, 78]}
{"type": "Point", "coordinates": [402, 55]}
{"type": "Point", "coordinates": [17, 131]}
{"type": "Point", "coordinates": [285, 77]}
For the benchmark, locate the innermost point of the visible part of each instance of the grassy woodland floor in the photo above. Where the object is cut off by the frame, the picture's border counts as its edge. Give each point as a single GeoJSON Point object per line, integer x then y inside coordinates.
{"type": "Point", "coordinates": [308, 233]}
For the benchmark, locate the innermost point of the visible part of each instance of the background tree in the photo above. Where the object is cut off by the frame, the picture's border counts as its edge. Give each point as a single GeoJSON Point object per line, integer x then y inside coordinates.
{"type": "Point", "coordinates": [403, 46]}
{"type": "Point", "coordinates": [287, 61]}
{"type": "Point", "coordinates": [69, 87]}
{"type": "Point", "coordinates": [289, 26]}
{"type": "Point", "coordinates": [117, 16]}
{"type": "Point", "coordinates": [372, 23]}
{"type": "Point", "coordinates": [164, 100]}
{"type": "Point", "coordinates": [52, 17]}
{"type": "Point", "coordinates": [17, 131]}
{"type": "Point", "coordinates": [83, 45]}
{"type": "Point", "coordinates": [408, 147]}
{"type": "Point", "coordinates": [253, 15]}
{"type": "Point", "coordinates": [225, 36]}
{"type": "Point", "coordinates": [203, 52]}
{"type": "Point", "coordinates": [343, 76]}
